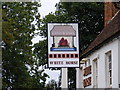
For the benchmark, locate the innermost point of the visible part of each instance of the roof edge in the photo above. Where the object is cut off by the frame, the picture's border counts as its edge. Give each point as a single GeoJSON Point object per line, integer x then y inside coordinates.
{"type": "Point", "coordinates": [114, 30]}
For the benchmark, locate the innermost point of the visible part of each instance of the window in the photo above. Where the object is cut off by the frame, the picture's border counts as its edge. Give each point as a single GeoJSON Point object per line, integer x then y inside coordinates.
{"type": "Point", "coordinates": [95, 73]}
{"type": "Point", "coordinates": [85, 63]}
{"type": "Point", "coordinates": [88, 62]}
{"type": "Point", "coordinates": [108, 66]}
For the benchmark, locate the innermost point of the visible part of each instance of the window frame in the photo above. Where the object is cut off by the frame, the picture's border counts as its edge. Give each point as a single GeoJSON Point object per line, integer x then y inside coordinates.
{"type": "Point", "coordinates": [95, 73]}
{"type": "Point", "coordinates": [108, 69]}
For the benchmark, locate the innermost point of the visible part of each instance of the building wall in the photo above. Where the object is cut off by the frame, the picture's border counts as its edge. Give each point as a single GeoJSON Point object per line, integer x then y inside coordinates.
{"type": "Point", "coordinates": [114, 47]}
{"type": "Point", "coordinates": [119, 62]}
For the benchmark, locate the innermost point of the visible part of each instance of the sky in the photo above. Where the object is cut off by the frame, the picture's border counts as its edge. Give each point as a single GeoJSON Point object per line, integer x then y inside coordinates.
{"type": "Point", "coordinates": [48, 6]}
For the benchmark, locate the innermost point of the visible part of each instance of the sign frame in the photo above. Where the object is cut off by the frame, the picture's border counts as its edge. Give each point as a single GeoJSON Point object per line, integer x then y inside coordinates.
{"type": "Point", "coordinates": [66, 52]}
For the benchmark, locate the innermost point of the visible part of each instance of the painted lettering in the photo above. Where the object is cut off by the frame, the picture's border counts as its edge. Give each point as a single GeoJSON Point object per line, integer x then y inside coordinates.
{"type": "Point", "coordinates": [71, 62]}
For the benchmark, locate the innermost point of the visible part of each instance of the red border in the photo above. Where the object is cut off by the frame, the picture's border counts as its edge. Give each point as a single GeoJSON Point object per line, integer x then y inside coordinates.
{"type": "Point", "coordinates": [62, 56]}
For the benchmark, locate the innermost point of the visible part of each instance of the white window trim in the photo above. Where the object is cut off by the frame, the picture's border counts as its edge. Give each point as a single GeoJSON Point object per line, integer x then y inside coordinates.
{"type": "Point", "coordinates": [95, 73]}
{"type": "Point", "coordinates": [107, 70]}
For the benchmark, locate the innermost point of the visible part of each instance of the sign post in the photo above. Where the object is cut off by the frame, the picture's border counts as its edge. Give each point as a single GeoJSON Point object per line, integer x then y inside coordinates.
{"type": "Point", "coordinates": [63, 48]}
{"type": "Point", "coordinates": [64, 79]}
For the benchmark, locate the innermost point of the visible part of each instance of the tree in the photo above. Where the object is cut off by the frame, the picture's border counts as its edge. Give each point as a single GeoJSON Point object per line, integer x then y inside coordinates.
{"type": "Point", "coordinates": [52, 84]}
{"type": "Point", "coordinates": [19, 68]}
{"type": "Point", "coordinates": [89, 16]}
{"type": "Point", "coordinates": [90, 19]}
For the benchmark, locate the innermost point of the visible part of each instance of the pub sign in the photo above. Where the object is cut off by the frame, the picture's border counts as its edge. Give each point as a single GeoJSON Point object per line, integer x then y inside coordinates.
{"type": "Point", "coordinates": [63, 45]}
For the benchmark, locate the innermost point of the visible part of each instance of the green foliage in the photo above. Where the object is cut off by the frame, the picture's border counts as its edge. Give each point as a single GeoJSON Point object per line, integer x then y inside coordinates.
{"type": "Point", "coordinates": [40, 52]}
{"type": "Point", "coordinates": [52, 84]}
{"type": "Point", "coordinates": [19, 65]}
{"type": "Point", "coordinates": [89, 17]}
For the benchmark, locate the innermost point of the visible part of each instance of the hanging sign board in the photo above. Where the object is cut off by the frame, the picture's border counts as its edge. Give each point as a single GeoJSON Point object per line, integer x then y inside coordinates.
{"type": "Point", "coordinates": [63, 45]}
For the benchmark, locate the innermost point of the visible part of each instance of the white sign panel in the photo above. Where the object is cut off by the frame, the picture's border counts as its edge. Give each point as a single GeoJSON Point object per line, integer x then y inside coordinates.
{"type": "Point", "coordinates": [63, 45]}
